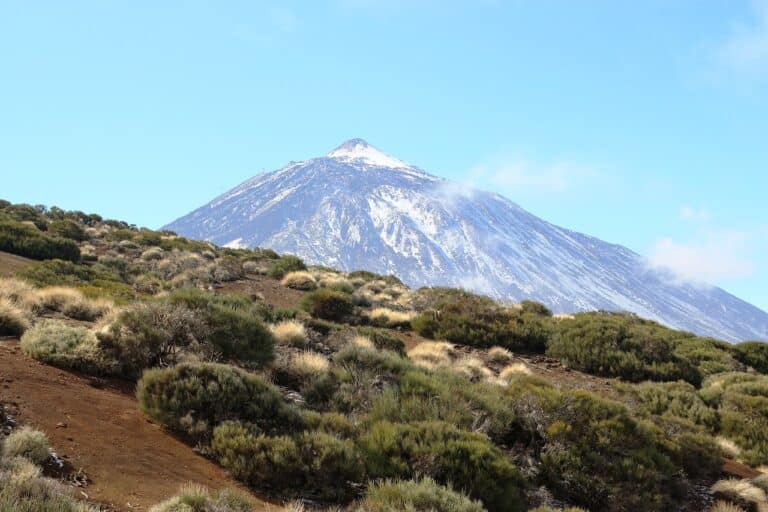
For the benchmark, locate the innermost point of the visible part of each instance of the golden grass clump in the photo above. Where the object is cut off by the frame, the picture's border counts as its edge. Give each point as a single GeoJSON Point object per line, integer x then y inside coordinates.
{"type": "Point", "coordinates": [13, 320]}
{"type": "Point", "coordinates": [512, 371]}
{"type": "Point", "coordinates": [499, 355]}
{"type": "Point", "coordinates": [71, 303]}
{"type": "Point", "coordinates": [473, 368]}
{"type": "Point", "coordinates": [309, 364]}
{"type": "Point", "coordinates": [17, 291]}
{"type": "Point", "coordinates": [389, 317]}
{"type": "Point", "coordinates": [299, 280]}
{"type": "Point", "coordinates": [363, 342]}
{"type": "Point", "coordinates": [741, 492]}
{"type": "Point", "coordinates": [725, 506]}
{"type": "Point", "coordinates": [728, 447]}
{"type": "Point", "coordinates": [196, 498]}
{"type": "Point", "coordinates": [432, 354]}
{"type": "Point", "coordinates": [290, 332]}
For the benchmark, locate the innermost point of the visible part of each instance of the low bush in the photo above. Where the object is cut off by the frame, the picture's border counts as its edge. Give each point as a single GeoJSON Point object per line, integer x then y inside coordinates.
{"type": "Point", "coordinates": [195, 498]}
{"type": "Point", "coordinates": [13, 320]}
{"type": "Point", "coordinates": [741, 400]}
{"type": "Point", "coordinates": [677, 399]}
{"type": "Point", "coordinates": [594, 453]}
{"type": "Point", "coordinates": [28, 443]}
{"type": "Point", "coordinates": [383, 339]}
{"type": "Point", "coordinates": [618, 345]}
{"type": "Point", "coordinates": [754, 354]}
{"type": "Point", "coordinates": [471, 320]}
{"type": "Point", "coordinates": [284, 265]}
{"type": "Point", "coordinates": [328, 304]}
{"type": "Point", "coordinates": [416, 496]}
{"type": "Point", "coordinates": [195, 398]}
{"type": "Point", "coordinates": [58, 344]}
{"type": "Point", "coordinates": [234, 326]}
{"type": "Point", "coordinates": [28, 241]}
{"type": "Point", "coordinates": [24, 489]}
{"type": "Point", "coordinates": [66, 228]}
{"type": "Point", "coordinates": [449, 455]}
{"type": "Point", "coordinates": [313, 463]}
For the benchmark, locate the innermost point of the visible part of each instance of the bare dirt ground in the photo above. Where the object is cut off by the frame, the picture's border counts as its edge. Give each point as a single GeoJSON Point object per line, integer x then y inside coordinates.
{"type": "Point", "coordinates": [96, 427]}
{"type": "Point", "coordinates": [270, 290]}
{"type": "Point", "coordinates": [10, 263]}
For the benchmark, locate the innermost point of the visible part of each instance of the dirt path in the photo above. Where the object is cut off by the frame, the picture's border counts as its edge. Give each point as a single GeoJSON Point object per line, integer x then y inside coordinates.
{"type": "Point", "coordinates": [131, 463]}
{"type": "Point", "coordinates": [10, 263]}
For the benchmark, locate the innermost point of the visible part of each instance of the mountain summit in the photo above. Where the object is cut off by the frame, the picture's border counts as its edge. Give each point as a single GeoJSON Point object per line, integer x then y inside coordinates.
{"type": "Point", "coordinates": [359, 208]}
{"type": "Point", "coordinates": [358, 150]}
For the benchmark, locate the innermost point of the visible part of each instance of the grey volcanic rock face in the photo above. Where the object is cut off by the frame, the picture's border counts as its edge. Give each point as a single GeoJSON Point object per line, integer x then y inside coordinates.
{"type": "Point", "coordinates": [357, 208]}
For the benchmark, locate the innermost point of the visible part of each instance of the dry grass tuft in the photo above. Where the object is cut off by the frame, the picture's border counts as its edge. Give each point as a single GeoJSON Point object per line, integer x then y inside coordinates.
{"type": "Point", "coordinates": [299, 280]}
{"type": "Point", "coordinates": [725, 506]}
{"type": "Point", "coordinates": [499, 355]}
{"type": "Point", "coordinates": [432, 354]}
{"type": "Point", "coordinates": [473, 368]}
{"type": "Point", "coordinates": [290, 332]}
{"type": "Point", "coordinates": [363, 341]}
{"type": "Point", "coordinates": [728, 447]}
{"type": "Point", "coordinates": [512, 371]}
{"type": "Point", "coordinates": [14, 321]}
{"type": "Point", "coordinates": [309, 364]}
{"type": "Point", "coordinates": [389, 317]}
{"type": "Point", "coordinates": [741, 492]}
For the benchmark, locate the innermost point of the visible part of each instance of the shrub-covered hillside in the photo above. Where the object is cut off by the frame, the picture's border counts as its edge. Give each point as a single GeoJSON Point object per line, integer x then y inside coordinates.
{"type": "Point", "coordinates": [351, 390]}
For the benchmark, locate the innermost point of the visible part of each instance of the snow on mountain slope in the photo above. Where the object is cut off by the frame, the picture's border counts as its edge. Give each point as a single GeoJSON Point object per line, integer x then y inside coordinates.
{"type": "Point", "coordinates": [358, 208]}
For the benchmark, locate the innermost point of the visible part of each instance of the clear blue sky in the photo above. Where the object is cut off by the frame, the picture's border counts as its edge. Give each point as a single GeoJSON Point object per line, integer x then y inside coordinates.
{"type": "Point", "coordinates": [643, 123]}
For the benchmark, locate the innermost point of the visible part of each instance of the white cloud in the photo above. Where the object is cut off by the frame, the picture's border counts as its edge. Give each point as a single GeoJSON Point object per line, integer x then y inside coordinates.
{"type": "Point", "coordinates": [513, 174]}
{"type": "Point", "coordinates": [747, 48]}
{"type": "Point", "coordinates": [712, 256]}
{"type": "Point", "coordinates": [690, 213]}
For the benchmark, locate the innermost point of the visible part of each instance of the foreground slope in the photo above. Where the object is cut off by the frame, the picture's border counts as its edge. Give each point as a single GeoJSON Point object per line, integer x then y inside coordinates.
{"type": "Point", "coordinates": [358, 208]}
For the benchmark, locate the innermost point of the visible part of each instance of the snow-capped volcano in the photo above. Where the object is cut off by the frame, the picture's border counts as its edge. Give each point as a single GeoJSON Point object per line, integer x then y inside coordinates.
{"type": "Point", "coordinates": [359, 208]}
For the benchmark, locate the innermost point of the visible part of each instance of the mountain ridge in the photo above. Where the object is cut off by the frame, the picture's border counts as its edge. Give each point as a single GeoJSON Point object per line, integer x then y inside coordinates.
{"type": "Point", "coordinates": [357, 207]}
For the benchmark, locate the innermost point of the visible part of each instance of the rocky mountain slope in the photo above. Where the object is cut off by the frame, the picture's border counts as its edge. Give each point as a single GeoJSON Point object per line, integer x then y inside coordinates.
{"type": "Point", "coordinates": [358, 208]}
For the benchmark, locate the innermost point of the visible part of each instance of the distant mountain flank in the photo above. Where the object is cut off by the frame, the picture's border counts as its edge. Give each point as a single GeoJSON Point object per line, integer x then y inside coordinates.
{"type": "Point", "coordinates": [359, 208]}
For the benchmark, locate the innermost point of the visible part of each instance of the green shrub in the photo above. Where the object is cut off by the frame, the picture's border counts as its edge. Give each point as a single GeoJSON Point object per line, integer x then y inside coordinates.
{"type": "Point", "coordinates": [313, 463]}
{"type": "Point", "coordinates": [742, 403]}
{"type": "Point", "coordinates": [58, 344]}
{"type": "Point", "coordinates": [28, 443]}
{"type": "Point", "coordinates": [472, 320]}
{"type": "Point", "coordinates": [707, 355]}
{"type": "Point", "coordinates": [677, 399]}
{"type": "Point", "coordinates": [56, 272]}
{"type": "Point", "coordinates": [328, 304]}
{"type": "Point", "coordinates": [24, 240]}
{"type": "Point", "coordinates": [233, 323]}
{"type": "Point", "coordinates": [468, 461]}
{"type": "Point", "coordinates": [285, 264]}
{"type": "Point", "coordinates": [382, 339]}
{"type": "Point", "coordinates": [194, 398]}
{"type": "Point", "coordinates": [618, 345]}
{"type": "Point", "coordinates": [593, 452]}
{"type": "Point", "coordinates": [153, 334]}
{"type": "Point", "coordinates": [66, 228]}
{"type": "Point", "coordinates": [416, 496]}
{"type": "Point", "coordinates": [754, 354]}
{"type": "Point", "coordinates": [536, 308]}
